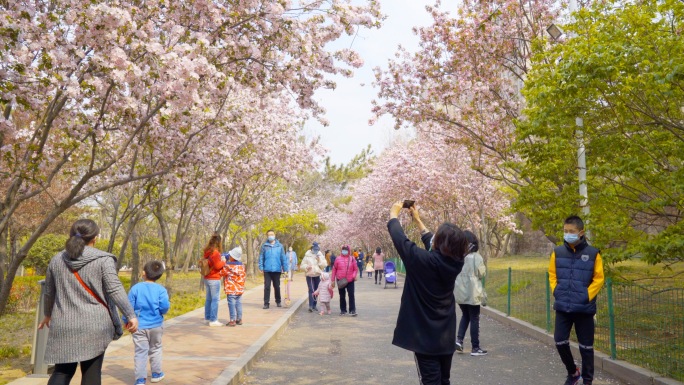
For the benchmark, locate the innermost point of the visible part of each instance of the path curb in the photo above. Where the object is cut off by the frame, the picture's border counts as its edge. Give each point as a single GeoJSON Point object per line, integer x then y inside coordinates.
{"type": "Point", "coordinates": [239, 368]}
{"type": "Point", "coordinates": [625, 371]}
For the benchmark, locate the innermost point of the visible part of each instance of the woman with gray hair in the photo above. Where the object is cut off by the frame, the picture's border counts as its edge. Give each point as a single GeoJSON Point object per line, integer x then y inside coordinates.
{"type": "Point", "coordinates": [82, 292]}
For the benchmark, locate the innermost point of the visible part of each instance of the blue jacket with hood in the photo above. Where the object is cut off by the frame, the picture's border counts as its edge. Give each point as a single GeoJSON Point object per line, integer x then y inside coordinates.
{"type": "Point", "coordinates": [272, 258]}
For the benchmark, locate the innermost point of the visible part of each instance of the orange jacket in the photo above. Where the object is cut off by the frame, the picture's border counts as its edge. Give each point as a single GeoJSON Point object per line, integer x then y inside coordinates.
{"type": "Point", "coordinates": [235, 274]}
{"type": "Point", "coordinates": [215, 263]}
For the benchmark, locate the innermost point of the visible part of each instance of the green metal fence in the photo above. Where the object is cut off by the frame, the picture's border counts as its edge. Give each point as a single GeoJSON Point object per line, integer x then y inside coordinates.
{"type": "Point", "coordinates": [638, 324]}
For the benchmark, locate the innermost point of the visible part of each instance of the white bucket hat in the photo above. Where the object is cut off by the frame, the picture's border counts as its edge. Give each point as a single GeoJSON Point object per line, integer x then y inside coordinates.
{"type": "Point", "coordinates": [236, 253]}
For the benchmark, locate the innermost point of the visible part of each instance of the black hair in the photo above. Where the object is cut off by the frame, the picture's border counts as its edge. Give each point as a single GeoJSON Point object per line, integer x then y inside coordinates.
{"type": "Point", "coordinates": [474, 245]}
{"type": "Point", "coordinates": [378, 250]}
{"type": "Point", "coordinates": [153, 270]}
{"type": "Point", "coordinates": [575, 220]}
{"type": "Point", "coordinates": [82, 232]}
{"type": "Point", "coordinates": [270, 231]}
{"type": "Point", "coordinates": [450, 240]}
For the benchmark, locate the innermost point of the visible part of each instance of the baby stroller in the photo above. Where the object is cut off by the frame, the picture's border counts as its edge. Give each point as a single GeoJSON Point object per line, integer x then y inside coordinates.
{"type": "Point", "coordinates": [390, 274]}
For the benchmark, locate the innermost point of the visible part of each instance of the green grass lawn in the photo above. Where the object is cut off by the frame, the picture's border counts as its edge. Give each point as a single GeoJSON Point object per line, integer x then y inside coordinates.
{"type": "Point", "coordinates": [17, 327]}
{"type": "Point", "coordinates": [648, 306]}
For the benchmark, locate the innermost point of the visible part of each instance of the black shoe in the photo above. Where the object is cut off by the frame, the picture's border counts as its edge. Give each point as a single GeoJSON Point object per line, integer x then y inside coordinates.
{"type": "Point", "coordinates": [574, 379]}
{"type": "Point", "coordinates": [310, 310]}
{"type": "Point", "coordinates": [343, 313]}
{"type": "Point", "coordinates": [459, 346]}
{"type": "Point", "coordinates": [265, 306]}
{"type": "Point", "coordinates": [353, 313]}
{"type": "Point", "coordinates": [478, 352]}
{"type": "Point", "coordinates": [278, 304]}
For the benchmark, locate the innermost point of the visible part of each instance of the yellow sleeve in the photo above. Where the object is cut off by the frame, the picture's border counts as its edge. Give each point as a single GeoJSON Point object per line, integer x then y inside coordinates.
{"type": "Point", "coordinates": [598, 279]}
{"type": "Point", "coordinates": [553, 281]}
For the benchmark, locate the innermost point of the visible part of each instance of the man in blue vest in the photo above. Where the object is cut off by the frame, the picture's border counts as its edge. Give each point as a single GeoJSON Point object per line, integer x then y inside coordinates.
{"type": "Point", "coordinates": [575, 276]}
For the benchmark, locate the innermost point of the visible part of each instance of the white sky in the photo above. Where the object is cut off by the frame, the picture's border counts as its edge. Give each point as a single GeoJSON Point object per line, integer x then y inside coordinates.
{"type": "Point", "coordinates": [349, 105]}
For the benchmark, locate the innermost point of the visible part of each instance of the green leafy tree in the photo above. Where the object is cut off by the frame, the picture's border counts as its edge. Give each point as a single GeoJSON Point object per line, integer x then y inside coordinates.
{"type": "Point", "coordinates": [622, 71]}
{"type": "Point", "coordinates": [43, 250]}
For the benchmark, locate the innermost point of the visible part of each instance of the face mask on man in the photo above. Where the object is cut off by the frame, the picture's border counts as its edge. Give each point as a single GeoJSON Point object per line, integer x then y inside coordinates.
{"type": "Point", "coordinates": [271, 238]}
{"type": "Point", "coordinates": [345, 252]}
{"type": "Point", "coordinates": [571, 238]}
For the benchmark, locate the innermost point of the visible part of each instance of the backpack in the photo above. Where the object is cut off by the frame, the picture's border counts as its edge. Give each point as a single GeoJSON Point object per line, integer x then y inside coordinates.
{"type": "Point", "coordinates": [204, 267]}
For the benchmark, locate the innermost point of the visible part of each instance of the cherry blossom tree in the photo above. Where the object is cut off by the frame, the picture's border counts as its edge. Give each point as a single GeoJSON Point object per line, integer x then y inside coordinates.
{"type": "Point", "coordinates": [102, 95]}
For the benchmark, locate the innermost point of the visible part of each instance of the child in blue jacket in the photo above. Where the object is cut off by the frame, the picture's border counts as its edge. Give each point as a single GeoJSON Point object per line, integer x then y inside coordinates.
{"type": "Point", "coordinates": [150, 302]}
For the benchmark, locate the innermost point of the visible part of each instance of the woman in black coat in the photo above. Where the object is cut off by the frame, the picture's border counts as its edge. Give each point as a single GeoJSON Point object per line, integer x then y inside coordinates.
{"type": "Point", "coordinates": [426, 324]}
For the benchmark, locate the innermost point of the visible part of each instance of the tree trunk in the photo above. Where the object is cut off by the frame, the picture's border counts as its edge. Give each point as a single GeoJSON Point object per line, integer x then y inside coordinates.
{"type": "Point", "coordinates": [189, 252]}
{"type": "Point", "coordinates": [3, 255]}
{"type": "Point", "coordinates": [135, 257]}
{"type": "Point", "coordinates": [251, 271]}
{"type": "Point", "coordinates": [166, 239]}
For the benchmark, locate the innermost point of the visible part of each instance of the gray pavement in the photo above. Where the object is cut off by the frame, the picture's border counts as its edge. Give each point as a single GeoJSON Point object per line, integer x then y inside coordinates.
{"type": "Point", "coordinates": [343, 350]}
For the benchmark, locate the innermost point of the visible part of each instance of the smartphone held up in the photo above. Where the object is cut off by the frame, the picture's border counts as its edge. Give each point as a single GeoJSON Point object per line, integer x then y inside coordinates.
{"type": "Point", "coordinates": [408, 203]}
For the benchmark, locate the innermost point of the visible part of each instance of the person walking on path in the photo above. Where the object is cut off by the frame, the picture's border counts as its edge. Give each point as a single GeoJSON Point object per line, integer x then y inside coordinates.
{"type": "Point", "coordinates": [360, 258]}
{"type": "Point", "coordinates": [576, 277]}
{"type": "Point", "coordinates": [345, 269]}
{"type": "Point", "coordinates": [272, 263]}
{"type": "Point", "coordinates": [292, 262]}
{"type": "Point", "coordinates": [212, 281]}
{"type": "Point", "coordinates": [379, 264]}
{"type": "Point", "coordinates": [426, 324]}
{"type": "Point", "coordinates": [469, 295]}
{"type": "Point", "coordinates": [234, 284]}
{"type": "Point", "coordinates": [150, 302]}
{"type": "Point", "coordinates": [328, 260]}
{"type": "Point", "coordinates": [332, 261]}
{"type": "Point", "coordinates": [313, 265]}
{"type": "Point", "coordinates": [80, 281]}
{"type": "Point", "coordinates": [324, 293]}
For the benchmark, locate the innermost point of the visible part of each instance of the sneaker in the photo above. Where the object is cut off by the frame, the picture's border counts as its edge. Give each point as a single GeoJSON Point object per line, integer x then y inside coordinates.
{"type": "Point", "coordinates": [140, 381]}
{"type": "Point", "coordinates": [156, 377]}
{"type": "Point", "coordinates": [322, 312]}
{"type": "Point", "coordinates": [574, 379]}
{"type": "Point", "coordinates": [478, 352]}
{"type": "Point", "coordinates": [343, 313]}
{"type": "Point", "coordinates": [310, 310]}
{"type": "Point", "coordinates": [329, 312]}
{"type": "Point", "coordinates": [278, 304]}
{"type": "Point", "coordinates": [238, 322]}
{"type": "Point", "coordinates": [459, 346]}
{"type": "Point", "coordinates": [231, 323]}
{"type": "Point", "coordinates": [215, 323]}
{"type": "Point", "coordinates": [265, 306]}
{"type": "Point", "coordinates": [353, 313]}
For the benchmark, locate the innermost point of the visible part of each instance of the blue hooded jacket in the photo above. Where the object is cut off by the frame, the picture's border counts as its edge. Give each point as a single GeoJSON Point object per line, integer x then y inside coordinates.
{"type": "Point", "coordinates": [272, 258]}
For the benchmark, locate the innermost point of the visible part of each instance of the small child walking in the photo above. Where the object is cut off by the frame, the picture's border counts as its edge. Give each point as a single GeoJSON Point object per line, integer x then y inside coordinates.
{"type": "Point", "coordinates": [369, 269]}
{"type": "Point", "coordinates": [324, 293]}
{"type": "Point", "coordinates": [150, 302]}
{"type": "Point", "coordinates": [234, 284]}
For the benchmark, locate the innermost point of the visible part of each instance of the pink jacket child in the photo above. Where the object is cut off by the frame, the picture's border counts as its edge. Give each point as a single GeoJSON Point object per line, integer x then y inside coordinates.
{"type": "Point", "coordinates": [324, 293]}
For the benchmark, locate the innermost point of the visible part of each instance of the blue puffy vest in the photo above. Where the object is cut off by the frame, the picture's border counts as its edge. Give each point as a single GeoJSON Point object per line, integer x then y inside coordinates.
{"type": "Point", "coordinates": [574, 273]}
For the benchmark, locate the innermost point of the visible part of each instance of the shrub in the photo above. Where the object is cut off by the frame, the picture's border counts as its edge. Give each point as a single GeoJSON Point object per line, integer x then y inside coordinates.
{"type": "Point", "coordinates": [24, 294]}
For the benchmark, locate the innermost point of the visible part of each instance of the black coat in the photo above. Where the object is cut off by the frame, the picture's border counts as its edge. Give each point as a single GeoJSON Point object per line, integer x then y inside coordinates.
{"type": "Point", "coordinates": [427, 315]}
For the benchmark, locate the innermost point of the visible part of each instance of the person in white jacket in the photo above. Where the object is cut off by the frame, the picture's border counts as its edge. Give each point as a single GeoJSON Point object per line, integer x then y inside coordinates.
{"type": "Point", "coordinates": [470, 295]}
{"type": "Point", "coordinates": [313, 265]}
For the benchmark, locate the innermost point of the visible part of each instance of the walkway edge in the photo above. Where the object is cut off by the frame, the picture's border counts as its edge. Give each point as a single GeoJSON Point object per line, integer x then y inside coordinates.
{"type": "Point", "coordinates": [625, 371]}
{"type": "Point", "coordinates": [238, 369]}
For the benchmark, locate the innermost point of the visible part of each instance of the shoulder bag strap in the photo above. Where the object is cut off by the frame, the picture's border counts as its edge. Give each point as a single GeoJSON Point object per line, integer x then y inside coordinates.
{"type": "Point", "coordinates": [91, 292]}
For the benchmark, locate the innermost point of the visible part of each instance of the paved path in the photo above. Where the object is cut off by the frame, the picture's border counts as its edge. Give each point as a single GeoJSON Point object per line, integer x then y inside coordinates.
{"type": "Point", "coordinates": [343, 350]}
{"type": "Point", "coordinates": [197, 354]}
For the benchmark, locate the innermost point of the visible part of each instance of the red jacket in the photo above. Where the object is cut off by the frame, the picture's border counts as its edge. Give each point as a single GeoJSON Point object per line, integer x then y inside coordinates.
{"type": "Point", "coordinates": [215, 263]}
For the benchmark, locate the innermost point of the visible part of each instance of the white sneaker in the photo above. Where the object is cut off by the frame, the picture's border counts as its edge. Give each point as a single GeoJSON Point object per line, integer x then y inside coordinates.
{"type": "Point", "coordinates": [215, 323]}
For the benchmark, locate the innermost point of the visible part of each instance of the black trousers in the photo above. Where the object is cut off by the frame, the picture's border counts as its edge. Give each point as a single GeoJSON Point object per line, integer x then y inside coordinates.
{"type": "Point", "coordinates": [584, 329]}
{"type": "Point", "coordinates": [434, 370]}
{"type": "Point", "coordinates": [360, 267]}
{"type": "Point", "coordinates": [471, 315]}
{"type": "Point", "coordinates": [376, 275]}
{"type": "Point", "coordinates": [343, 301]}
{"type": "Point", "coordinates": [268, 278]}
{"type": "Point", "coordinates": [91, 372]}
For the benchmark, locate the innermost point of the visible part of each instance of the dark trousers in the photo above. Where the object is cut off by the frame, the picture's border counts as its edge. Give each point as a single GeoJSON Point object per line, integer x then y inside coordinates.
{"type": "Point", "coordinates": [433, 370]}
{"type": "Point", "coordinates": [91, 372]}
{"type": "Point", "coordinates": [376, 276]}
{"type": "Point", "coordinates": [312, 284]}
{"type": "Point", "coordinates": [471, 315]}
{"type": "Point", "coordinates": [268, 278]}
{"type": "Point", "coordinates": [584, 329]}
{"type": "Point", "coordinates": [360, 267]}
{"type": "Point", "coordinates": [343, 301]}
